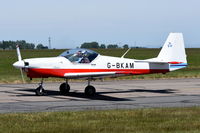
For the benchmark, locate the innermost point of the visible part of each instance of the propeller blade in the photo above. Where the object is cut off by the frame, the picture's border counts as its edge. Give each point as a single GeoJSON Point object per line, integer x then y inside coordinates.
{"type": "Point", "coordinates": [19, 64]}
{"type": "Point", "coordinates": [18, 53]}
{"type": "Point", "coordinates": [22, 76]}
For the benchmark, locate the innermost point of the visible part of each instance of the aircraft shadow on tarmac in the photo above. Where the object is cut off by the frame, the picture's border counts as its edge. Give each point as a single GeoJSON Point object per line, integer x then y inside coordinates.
{"type": "Point", "coordinates": [14, 86]}
{"type": "Point", "coordinates": [72, 95]}
{"type": "Point", "coordinates": [163, 91]}
{"type": "Point", "coordinates": [98, 96]}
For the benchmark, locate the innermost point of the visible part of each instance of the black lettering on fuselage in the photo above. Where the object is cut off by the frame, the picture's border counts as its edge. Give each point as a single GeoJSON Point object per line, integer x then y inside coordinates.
{"type": "Point", "coordinates": [127, 65]}
{"type": "Point", "coordinates": [117, 65]}
{"type": "Point", "coordinates": [108, 65]}
{"type": "Point", "coordinates": [131, 65]}
{"type": "Point", "coordinates": [120, 65]}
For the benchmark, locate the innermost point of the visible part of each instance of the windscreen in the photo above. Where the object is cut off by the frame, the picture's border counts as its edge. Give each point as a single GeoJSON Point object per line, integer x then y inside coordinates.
{"type": "Point", "coordinates": [80, 55]}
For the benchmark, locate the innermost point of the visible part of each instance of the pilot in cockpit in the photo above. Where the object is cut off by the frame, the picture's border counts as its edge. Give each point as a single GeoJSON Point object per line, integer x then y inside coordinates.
{"type": "Point", "coordinates": [82, 57]}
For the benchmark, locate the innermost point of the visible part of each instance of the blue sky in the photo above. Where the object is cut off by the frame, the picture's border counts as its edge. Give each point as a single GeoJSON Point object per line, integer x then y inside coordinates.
{"type": "Point", "coordinates": [71, 22]}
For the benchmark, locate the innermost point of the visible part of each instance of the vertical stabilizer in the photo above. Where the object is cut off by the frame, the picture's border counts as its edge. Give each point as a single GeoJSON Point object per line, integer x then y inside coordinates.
{"type": "Point", "coordinates": [173, 50]}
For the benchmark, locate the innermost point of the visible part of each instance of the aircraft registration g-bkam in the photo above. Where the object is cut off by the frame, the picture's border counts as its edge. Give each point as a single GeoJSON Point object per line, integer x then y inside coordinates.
{"type": "Point", "coordinates": [84, 63]}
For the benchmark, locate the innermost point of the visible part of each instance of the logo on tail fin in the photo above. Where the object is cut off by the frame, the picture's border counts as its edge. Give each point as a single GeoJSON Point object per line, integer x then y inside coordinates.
{"type": "Point", "coordinates": [169, 45]}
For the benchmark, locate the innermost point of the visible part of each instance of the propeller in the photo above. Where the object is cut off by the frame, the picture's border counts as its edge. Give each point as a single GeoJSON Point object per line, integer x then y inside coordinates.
{"type": "Point", "coordinates": [22, 76]}
{"type": "Point", "coordinates": [20, 63]}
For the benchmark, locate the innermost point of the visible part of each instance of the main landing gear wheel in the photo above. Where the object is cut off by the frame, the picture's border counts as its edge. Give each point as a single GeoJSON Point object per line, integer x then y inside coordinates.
{"type": "Point", "coordinates": [39, 91]}
{"type": "Point", "coordinates": [90, 91]}
{"type": "Point", "coordinates": [64, 89]}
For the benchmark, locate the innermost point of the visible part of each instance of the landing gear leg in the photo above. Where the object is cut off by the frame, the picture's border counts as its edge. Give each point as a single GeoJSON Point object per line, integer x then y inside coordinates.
{"type": "Point", "coordinates": [90, 90]}
{"type": "Point", "coordinates": [40, 90]}
{"type": "Point", "coordinates": [64, 88]}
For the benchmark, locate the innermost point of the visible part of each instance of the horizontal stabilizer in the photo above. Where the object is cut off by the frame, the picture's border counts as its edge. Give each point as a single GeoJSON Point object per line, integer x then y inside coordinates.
{"type": "Point", "coordinates": [151, 61]}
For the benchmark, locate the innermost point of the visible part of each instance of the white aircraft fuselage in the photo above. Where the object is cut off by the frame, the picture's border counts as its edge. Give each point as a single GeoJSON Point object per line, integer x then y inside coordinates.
{"type": "Point", "coordinates": [84, 63]}
{"type": "Point", "coordinates": [101, 66]}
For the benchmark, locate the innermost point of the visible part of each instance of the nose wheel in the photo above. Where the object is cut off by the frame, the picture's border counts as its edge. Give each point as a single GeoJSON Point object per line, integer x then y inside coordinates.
{"type": "Point", "coordinates": [40, 90]}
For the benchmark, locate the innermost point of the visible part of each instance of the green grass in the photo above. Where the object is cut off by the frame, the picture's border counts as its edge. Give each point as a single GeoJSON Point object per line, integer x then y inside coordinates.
{"type": "Point", "coordinates": [8, 74]}
{"type": "Point", "coordinates": [157, 120]}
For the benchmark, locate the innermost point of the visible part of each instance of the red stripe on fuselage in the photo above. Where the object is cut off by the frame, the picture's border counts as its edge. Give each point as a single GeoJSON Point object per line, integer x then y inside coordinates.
{"type": "Point", "coordinates": [43, 72]}
{"type": "Point", "coordinates": [175, 62]}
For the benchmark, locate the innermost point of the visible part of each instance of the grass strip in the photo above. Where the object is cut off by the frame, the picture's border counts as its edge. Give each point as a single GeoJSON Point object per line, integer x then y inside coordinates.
{"type": "Point", "coordinates": [154, 120]}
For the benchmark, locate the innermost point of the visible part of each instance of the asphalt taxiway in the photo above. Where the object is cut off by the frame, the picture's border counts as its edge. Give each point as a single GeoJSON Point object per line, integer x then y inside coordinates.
{"type": "Point", "coordinates": [116, 94]}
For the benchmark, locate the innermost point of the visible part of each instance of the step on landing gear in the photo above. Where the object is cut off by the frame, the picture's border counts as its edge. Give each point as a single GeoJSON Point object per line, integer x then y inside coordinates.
{"type": "Point", "coordinates": [64, 88]}
{"type": "Point", "coordinates": [40, 90]}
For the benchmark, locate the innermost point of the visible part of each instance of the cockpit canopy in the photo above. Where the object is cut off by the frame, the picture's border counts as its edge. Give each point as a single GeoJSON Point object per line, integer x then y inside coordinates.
{"type": "Point", "coordinates": [80, 55]}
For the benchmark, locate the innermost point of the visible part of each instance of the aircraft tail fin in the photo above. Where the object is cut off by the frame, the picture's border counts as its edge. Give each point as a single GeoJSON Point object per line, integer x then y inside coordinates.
{"type": "Point", "coordinates": [173, 52]}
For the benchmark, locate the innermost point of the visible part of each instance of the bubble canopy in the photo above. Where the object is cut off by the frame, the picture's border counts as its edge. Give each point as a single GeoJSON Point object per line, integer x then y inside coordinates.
{"type": "Point", "coordinates": [80, 55]}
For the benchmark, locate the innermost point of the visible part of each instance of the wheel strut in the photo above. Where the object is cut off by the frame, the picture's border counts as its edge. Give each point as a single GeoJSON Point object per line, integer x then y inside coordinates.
{"type": "Point", "coordinates": [40, 90]}
{"type": "Point", "coordinates": [89, 81]}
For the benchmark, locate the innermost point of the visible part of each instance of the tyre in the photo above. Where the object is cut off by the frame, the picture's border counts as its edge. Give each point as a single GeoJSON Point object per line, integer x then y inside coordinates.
{"type": "Point", "coordinates": [64, 89]}
{"type": "Point", "coordinates": [90, 91]}
{"type": "Point", "coordinates": [39, 91]}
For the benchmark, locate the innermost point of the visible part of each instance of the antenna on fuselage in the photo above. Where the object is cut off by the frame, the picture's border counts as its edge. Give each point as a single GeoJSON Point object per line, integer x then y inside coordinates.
{"type": "Point", "coordinates": [125, 53]}
{"type": "Point", "coordinates": [49, 39]}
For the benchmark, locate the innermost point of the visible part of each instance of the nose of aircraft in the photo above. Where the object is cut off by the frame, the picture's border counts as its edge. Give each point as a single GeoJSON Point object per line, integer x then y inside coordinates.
{"type": "Point", "coordinates": [19, 64]}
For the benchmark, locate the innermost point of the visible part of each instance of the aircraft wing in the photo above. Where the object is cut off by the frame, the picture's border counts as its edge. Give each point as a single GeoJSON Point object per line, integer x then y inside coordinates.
{"type": "Point", "coordinates": [88, 74]}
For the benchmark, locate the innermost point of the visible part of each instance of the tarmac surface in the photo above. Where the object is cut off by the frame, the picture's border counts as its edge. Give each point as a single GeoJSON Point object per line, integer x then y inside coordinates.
{"type": "Point", "coordinates": [116, 94]}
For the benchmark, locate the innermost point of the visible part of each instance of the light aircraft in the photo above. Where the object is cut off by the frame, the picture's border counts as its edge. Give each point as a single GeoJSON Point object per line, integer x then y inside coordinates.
{"type": "Point", "coordinates": [84, 63]}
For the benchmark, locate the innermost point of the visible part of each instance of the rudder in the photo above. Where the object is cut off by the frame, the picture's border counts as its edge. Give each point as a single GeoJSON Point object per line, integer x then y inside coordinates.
{"type": "Point", "coordinates": [173, 52]}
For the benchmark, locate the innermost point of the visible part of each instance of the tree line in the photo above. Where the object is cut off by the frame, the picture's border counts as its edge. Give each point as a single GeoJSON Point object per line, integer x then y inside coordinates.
{"type": "Point", "coordinates": [25, 45]}
{"type": "Point", "coordinates": [22, 44]}
{"type": "Point", "coordinates": [103, 46]}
